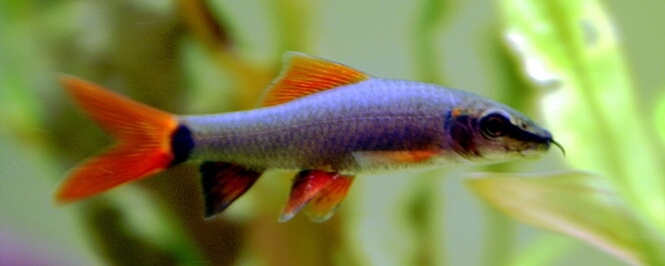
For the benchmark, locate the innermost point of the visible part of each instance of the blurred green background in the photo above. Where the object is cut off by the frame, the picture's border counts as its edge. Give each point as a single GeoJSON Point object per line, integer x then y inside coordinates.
{"type": "Point", "coordinates": [590, 71]}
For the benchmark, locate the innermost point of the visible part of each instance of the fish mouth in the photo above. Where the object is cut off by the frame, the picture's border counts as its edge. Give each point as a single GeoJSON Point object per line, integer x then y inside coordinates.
{"type": "Point", "coordinates": [536, 148]}
{"type": "Point", "coordinates": [536, 141]}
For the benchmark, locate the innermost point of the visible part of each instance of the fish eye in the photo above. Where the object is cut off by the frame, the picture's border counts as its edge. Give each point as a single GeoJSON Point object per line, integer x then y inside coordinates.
{"type": "Point", "coordinates": [494, 125]}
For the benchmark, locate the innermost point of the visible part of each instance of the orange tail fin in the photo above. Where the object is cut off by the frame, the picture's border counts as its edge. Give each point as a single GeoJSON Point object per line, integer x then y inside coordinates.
{"type": "Point", "coordinates": [144, 147]}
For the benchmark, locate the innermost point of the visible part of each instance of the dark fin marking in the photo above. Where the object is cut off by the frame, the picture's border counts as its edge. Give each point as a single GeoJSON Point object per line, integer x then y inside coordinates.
{"type": "Point", "coordinates": [143, 148]}
{"type": "Point", "coordinates": [223, 183]}
{"type": "Point", "coordinates": [303, 75]}
{"type": "Point", "coordinates": [306, 185]}
{"type": "Point", "coordinates": [324, 205]}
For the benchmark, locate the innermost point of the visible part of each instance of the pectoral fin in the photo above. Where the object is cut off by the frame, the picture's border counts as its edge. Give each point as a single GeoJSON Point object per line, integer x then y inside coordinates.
{"type": "Point", "coordinates": [322, 190]}
{"type": "Point", "coordinates": [374, 159]}
{"type": "Point", "coordinates": [223, 183]}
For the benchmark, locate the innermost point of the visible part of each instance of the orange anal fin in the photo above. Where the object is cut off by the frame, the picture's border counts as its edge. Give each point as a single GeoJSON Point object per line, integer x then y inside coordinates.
{"type": "Point", "coordinates": [303, 75]}
{"type": "Point", "coordinates": [306, 185]}
{"type": "Point", "coordinates": [223, 183]}
{"type": "Point", "coordinates": [324, 205]}
{"type": "Point", "coordinates": [144, 141]}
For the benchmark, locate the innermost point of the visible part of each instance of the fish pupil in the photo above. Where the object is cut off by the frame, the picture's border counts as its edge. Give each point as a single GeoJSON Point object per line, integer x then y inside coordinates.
{"type": "Point", "coordinates": [494, 125]}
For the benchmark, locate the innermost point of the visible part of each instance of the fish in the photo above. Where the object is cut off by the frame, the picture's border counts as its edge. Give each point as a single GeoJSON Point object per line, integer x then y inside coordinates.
{"type": "Point", "coordinates": [325, 120]}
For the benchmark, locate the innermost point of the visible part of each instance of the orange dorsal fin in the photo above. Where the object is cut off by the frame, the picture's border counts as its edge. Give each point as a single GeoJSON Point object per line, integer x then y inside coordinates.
{"type": "Point", "coordinates": [303, 75]}
{"type": "Point", "coordinates": [144, 137]}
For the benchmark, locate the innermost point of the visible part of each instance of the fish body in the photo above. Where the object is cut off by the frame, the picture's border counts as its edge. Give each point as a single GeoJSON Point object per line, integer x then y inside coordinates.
{"type": "Point", "coordinates": [326, 120]}
{"type": "Point", "coordinates": [326, 129]}
{"type": "Point", "coordinates": [337, 129]}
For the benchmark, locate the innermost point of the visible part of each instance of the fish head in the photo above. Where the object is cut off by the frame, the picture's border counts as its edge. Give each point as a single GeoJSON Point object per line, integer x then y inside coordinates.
{"type": "Point", "coordinates": [492, 132]}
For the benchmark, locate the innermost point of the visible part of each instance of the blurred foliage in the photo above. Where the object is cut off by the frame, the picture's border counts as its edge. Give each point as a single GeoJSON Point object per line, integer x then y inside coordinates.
{"type": "Point", "coordinates": [562, 59]}
{"type": "Point", "coordinates": [572, 49]}
{"type": "Point", "coordinates": [578, 204]}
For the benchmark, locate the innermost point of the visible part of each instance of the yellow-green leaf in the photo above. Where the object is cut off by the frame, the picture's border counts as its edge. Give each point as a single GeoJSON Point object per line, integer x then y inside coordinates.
{"type": "Point", "coordinates": [571, 51]}
{"type": "Point", "coordinates": [578, 204]}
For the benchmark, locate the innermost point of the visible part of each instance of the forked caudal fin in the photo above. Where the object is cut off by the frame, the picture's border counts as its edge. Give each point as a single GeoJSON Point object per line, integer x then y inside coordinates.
{"type": "Point", "coordinates": [149, 140]}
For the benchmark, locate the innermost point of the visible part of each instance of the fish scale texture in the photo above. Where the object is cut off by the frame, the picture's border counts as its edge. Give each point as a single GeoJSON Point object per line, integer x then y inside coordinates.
{"type": "Point", "coordinates": [324, 130]}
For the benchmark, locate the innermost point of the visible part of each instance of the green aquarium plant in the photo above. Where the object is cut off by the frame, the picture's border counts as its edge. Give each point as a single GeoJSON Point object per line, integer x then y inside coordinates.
{"type": "Point", "coordinates": [572, 51]}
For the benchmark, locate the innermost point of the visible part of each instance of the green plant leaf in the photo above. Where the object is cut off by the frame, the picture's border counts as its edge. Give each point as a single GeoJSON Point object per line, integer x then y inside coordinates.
{"type": "Point", "coordinates": [659, 118]}
{"type": "Point", "coordinates": [570, 50]}
{"type": "Point", "coordinates": [577, 204]}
